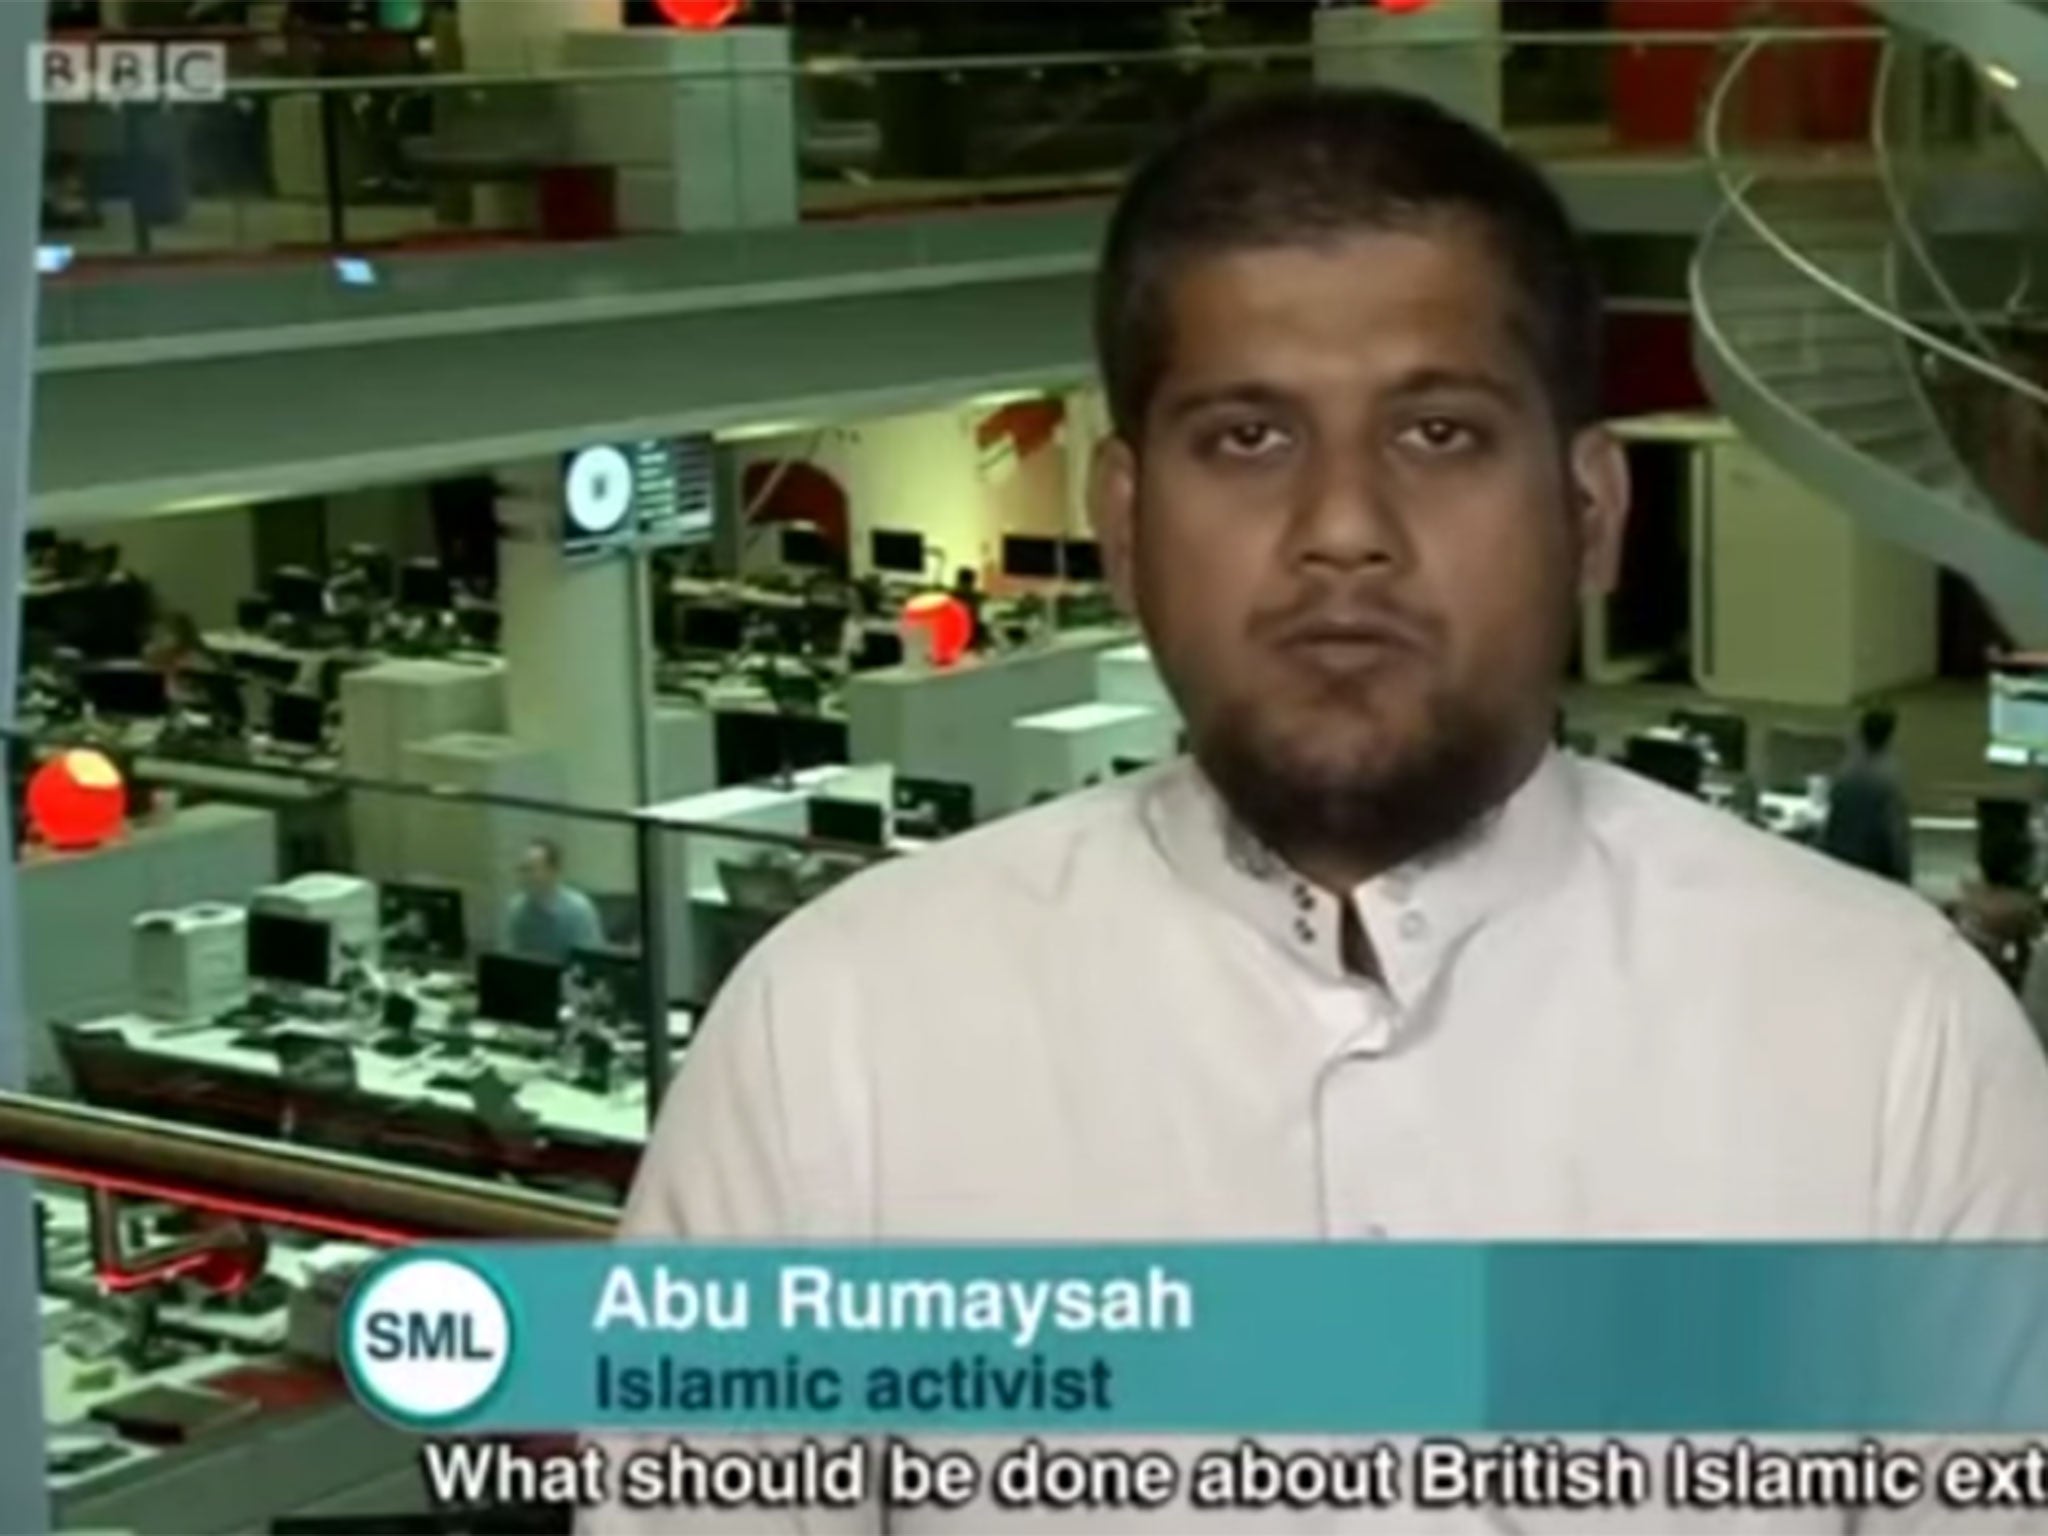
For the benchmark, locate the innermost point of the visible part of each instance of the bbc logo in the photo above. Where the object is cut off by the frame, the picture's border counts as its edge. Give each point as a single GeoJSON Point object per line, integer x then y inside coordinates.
{"type": "Point", "coordinates": [123, 72]}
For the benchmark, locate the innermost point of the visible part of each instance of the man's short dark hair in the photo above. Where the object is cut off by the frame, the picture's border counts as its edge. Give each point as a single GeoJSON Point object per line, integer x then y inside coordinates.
{"type": "Point", "coordinates": [1876, 728]}
{"type": "Point", "coordinates": [1307, 166]}
{"type": "Point", "coordinates": [548, 849]}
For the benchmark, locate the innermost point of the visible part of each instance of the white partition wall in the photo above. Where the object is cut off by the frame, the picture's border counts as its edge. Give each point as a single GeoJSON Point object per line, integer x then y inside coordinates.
{"type": "Point", "coordinates": [24, 1502]}
{"type": "Point", "coordinates": [575, 683]}
{"type": "Point", "coordinates": [697, 152]}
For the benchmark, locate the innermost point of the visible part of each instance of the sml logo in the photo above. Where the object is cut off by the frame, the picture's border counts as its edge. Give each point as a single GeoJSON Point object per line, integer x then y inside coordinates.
{"type": "Point", "coordinates": [427, 1340]}
{"type": "Point", "coordinates": [127, 71]}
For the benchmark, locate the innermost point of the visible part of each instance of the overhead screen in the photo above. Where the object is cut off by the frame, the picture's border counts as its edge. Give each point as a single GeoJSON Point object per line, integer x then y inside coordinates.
{"type": "Point", "coordinates": [658, 493]}
{"type": "Point", "coordinates": [2019, 712]}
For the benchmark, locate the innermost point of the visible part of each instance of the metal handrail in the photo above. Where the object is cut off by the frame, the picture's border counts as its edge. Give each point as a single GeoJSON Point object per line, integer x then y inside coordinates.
{"type": "Point", "coordinates": [1895, 200]}
{"type": "Point", "coordinates": [632, 819]}
{"type": "Point", "coordinates": [278, 1181]}
{"type": "Point", "coordinates": [842, 67]}
{"type": "Point", "coordinates": [1735, 192]}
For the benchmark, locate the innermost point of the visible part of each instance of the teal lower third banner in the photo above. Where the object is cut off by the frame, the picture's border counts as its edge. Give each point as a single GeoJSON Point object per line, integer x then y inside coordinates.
{"type": "Point", "coordinates": [1373, 1338]}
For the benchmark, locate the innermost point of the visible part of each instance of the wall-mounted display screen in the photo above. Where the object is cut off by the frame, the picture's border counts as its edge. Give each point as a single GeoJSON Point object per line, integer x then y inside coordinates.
{"type": "Point", "coordinates": [2019, 711]}
{"type": "Point", "coordinates": [659, 493]}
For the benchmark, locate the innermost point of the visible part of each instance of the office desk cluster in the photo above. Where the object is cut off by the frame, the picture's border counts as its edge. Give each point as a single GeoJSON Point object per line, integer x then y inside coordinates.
{"type": "Point", "coordinates": [500, 1107]}
{"type": "Point", "coordinates": [288, 1438]}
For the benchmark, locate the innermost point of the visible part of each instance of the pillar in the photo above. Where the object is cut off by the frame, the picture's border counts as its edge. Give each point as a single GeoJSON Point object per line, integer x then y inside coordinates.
{"type": "Point", "coordinates": [24, 1498]}
{"type": "Point", "coordinates": [1449, 51]}
{"type": "Point", "coordinates": [513, 37]}
{"type": "Point", "coordinates": [527, 36]}
{"type": "Point", "coordinates": [576, 682]}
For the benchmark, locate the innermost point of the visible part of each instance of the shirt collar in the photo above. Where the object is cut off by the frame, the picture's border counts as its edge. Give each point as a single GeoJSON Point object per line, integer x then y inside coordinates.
{"type": "Point", "coordinates": [1416, 915]}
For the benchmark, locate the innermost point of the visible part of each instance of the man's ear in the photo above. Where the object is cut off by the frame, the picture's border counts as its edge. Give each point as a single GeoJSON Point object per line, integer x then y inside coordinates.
{"type": "Point", "coordinates": [1599, 491]}
{"type": "Point", "coordinates": [1112, 508]}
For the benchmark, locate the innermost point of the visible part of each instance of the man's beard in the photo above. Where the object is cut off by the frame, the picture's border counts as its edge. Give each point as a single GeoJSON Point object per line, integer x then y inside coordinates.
{"type": "Point", "coordinates": [1367, 815]}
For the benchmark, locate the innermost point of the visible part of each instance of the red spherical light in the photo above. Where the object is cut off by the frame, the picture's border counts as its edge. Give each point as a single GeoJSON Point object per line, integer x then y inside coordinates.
{"type": "Point", "coordinates": [1403, 7]}
{"type": "Point", "coordinates": [76, 800]}
{"type": "Point", "coordinates": [698, 15]}
{"type": "Point", "coordinates": [945, 620]}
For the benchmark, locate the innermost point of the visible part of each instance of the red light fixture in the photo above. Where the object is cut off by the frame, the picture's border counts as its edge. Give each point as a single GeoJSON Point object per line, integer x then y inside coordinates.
{"type": "Point", "coordinates": [698, 15]}
{"type": "Point", "coordinates": [945, 621]}
{"type": "Point", "coordinates": [1403, 7]}
{"type": "Point", "coordinates": [76, 800]}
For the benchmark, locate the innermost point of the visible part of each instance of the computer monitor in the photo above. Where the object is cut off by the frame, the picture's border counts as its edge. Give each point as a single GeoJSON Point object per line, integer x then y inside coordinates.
{"type": "Point", "coordinates": [814, 741]}
{"type": "Point", "coordinates": [618, 974]}
{"type": "Point", "coordinates": [297, 593]}
{"type": "Point", "coordinates": [935, 807]}
{"type": "Point", "coordinates": [752, 745]}
{"type": "Point", "coordinates": [1030, 557]}
{"type": "Point", "coordinates": [424, 587]}
{"type": "Point", "coordinates": [221, 698]}
{"type": "Point", "coordinates": [278, 671]}
{"type": "Point", "coordinates": [125, 691]}
{"type": "Point", "coordinates": [899, 550]}
{"type": "Point", "coordinates": [1677, 765]}
{"type": "Point", "coordinates": [252, 615]}
{"type": "Point", "coordinates": [806, 549]}
{"type": "Point", "coordinates": [374, 565]}
{"type": "Point", "coordinates": [1082, 560]}
{"type": "Point", "coordinates": [1726, 733]}
{"type": "Point", "coordinates": [422, 922]}
{"type": "Point", "coordinates": [714, 631]}
{"type": "Point", "coordinates": [295, 951]}
{"type": "Point", "coordinates": [824, 629]}
{"type": "Point", "coordinates": [878, 648]}
{"type": "Point", "coordinates": [847, 821]}
{"type": "Point", "coordinates": [2005, 840]}
{"type": "Point", "coordinates": [481, 626]}
{"type": "Point", "coordinates": [511, 989]}
{"type": "Point", "coordinates": [297, 719]}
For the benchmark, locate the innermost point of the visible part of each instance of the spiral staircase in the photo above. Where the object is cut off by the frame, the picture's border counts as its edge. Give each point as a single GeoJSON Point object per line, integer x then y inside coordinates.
{"type": "Point", "coordinates": [1855, 308]}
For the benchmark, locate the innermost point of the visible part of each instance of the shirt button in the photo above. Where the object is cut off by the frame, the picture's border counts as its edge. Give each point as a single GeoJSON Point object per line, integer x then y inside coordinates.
{"type": "Point", "coordinates": [1413, 926]}
{"type": "Point", "coordinates": [1400, 887]}
{"type": "Point", "coordinates": [1303, 899]}
{"type": "Point", "coordinates": [1303, 932]}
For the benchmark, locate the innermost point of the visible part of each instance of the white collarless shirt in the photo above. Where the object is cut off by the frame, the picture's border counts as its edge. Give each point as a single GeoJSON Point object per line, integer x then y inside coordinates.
{"type": "Point", "coordinates": [1606, 1012]}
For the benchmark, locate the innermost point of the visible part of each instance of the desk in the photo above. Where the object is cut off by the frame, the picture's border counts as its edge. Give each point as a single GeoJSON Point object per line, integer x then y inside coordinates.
{"type": "Point", "coordinates": [76, 909]}
{"type": "Point", "coordinates": [311, 829]}
{"type": "Point", "coordinates": [954, 722]}
{"type": "Point", "coordinates": [146, 1066]}
{"type": "Point", "coordinates": [1066, 749]}
{"type": "Point", "coordinates": [693, 895]}
{"type": "Point", "coordinates": [322, 1453]}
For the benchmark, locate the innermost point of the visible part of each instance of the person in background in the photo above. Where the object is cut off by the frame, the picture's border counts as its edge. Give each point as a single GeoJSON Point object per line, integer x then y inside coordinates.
{"type": "Point", "coordinates": [175, 647]}
{"type": "Point", "coordinates": [2000, 912]}
{"type": "Point", "coordinates": [549, 917]}
{"type": "Point", "coordinates": [1868, 824]}
{"type": "Point", "coordinates": [967, 592]}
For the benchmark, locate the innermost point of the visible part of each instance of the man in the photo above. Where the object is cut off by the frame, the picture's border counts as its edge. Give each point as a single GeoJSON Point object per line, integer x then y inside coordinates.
{"type": "Point", "coordinates": [1868, 824]}
{"type": "Point", "coordinates": [549, 918]}
{"type": "Point", "coordinates": [1378, 961]}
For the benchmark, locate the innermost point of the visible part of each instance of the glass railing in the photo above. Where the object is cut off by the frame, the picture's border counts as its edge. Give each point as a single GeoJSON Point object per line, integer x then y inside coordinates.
{"type": "Point", "coordinates": [1969, 269]}
{"type": "Point", "coordinates": [189, 1289]}
{"type": "Point", "coordinates": [1856, 287]}
{"type": "Point", "coordinates": [339, 190]}
{"type": "Point", "coordinates": [265, 944]}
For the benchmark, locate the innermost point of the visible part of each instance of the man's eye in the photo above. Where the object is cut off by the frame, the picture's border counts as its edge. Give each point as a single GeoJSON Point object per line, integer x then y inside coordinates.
{"type": "Point", "coordinates": [1247, 439]}
{"type": "Point", "coordinates": [1439, 434]}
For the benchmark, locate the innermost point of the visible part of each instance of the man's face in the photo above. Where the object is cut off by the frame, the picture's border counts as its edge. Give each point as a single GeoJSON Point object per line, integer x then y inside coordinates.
{"type": "Point", "coordinates": [1355, 539]}
{"type": "Point", "coordinates": [536, 872]}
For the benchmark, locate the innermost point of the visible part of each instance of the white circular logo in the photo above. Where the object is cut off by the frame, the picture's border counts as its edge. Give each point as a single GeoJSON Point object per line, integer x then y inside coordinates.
{"type": "Point", "coordinates": [599, 489]}
{"type": "Point", "coordinates": [427, 1339]}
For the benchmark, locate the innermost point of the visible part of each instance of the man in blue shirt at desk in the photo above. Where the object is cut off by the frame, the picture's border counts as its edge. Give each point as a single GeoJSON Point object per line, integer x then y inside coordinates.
{"type": "Point", "coordinates": [549, 918]}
